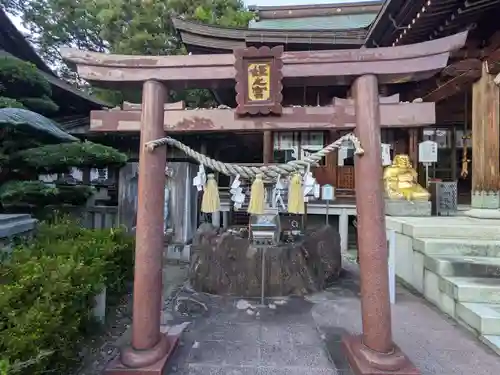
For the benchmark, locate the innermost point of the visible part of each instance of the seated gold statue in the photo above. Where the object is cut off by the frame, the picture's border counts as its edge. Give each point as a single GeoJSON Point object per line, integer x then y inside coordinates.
{"type": "Point", "coordinates": [400, 181]}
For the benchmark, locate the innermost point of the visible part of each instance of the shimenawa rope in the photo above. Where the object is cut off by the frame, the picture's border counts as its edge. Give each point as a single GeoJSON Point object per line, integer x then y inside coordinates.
{"type": "Point", "coordinates": [269, 172]}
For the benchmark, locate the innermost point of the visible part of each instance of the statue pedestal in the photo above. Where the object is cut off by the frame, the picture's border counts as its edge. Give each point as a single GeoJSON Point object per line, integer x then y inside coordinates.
{"type": "Point", "coordinates": [402, 207]}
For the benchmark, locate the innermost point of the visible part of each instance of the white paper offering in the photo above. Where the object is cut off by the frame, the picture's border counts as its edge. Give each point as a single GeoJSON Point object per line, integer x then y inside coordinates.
{"type": "Point", "coordinates": [236, 183]}
{"type": "Point", "coordinates": [200, 179]}
{"type": "Point", "coordinates": [316, 190]}
{"type": "Point", "coordinates": [277, 198]}
{"type": "Point", "coordinates": [386, 154]}
{"type": "Point", "coordinates": [342, 155]}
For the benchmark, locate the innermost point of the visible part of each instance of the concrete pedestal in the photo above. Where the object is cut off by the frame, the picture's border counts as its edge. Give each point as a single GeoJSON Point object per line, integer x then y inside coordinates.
{"type": "Point", "coordinates": [365, 361]}
{"type": "Point", "coordinates": [407, 208]}
{"type": "Point", "coordinates": [116, 367]}
{"type": "Point", "coordinates": [485, 200]}
{"type": "Point", "coordinates": [483, 213]}
{"type": "Point", "coordinates": [484, 205]}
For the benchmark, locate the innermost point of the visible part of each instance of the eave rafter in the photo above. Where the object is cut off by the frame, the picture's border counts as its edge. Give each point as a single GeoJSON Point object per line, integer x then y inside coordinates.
{"type": "Point", "coordinates": [459, 75]}
{"type": "Point", "coordinates": [454, 78]}
{"type": "Point", "coordinates": [493, 62]}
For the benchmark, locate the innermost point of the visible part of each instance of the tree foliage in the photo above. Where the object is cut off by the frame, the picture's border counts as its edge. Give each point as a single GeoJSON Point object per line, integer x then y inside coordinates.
{"type": "Point", "coordinates": [23, 155]}
{"type": "Point", "coordinates": [59, 158]}
{"type": "Point", "coordinates": [22, 86]}
{"type": "Point", "coordinates": [138, 27]}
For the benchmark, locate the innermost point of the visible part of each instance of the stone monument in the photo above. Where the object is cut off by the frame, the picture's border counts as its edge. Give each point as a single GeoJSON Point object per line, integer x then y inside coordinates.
{"type": "Point", "coordinates": [228, 263]}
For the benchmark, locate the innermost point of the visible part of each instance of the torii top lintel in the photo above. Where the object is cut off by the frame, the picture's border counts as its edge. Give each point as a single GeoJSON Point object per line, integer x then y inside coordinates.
{"type": "Point", "coordinates": [390, 64]}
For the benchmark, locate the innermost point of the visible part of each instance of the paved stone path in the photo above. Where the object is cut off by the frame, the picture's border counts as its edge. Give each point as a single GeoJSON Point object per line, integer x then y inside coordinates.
{"type": "Point", "coordinates": [302, 336]}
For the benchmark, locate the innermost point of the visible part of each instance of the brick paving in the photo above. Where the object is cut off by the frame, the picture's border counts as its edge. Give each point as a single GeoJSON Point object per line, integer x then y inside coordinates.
{"type": "Point", "coordinates": [302, 336]}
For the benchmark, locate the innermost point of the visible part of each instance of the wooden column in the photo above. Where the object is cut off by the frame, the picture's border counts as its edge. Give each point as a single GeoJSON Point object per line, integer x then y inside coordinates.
{"type": "Point", "coordinates": [485, 142]}
{"type": "Point", "coordinates": [374, 351]}
{"type": "Point", "coordinates": [149, 347]}
{"type": "Point", "coordinates": [267, 147]}
{"type": "Point", "coordinates": [413, 146]}
{"type": "Point", "coordinates": [332, 158]}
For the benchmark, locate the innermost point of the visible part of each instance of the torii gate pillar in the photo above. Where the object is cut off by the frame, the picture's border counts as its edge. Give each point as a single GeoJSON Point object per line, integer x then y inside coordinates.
{"type": "Point", "coordinates": [150, 349]}
{"type": "Point", "coordinates": [373, 352]}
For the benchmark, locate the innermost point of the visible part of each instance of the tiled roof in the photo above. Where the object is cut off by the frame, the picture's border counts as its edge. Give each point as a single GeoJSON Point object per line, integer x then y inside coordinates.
{"type": "Point", "coordinates": [334, 22]}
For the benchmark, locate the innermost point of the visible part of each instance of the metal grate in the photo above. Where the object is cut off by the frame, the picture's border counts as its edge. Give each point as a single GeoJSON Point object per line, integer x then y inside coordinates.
{"type": "Point", "coordinates": [444, 198]}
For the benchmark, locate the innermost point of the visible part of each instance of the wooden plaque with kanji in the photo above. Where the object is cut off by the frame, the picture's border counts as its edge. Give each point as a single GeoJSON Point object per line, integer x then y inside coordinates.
{"type": "Point", "coordinates": [258, 80]}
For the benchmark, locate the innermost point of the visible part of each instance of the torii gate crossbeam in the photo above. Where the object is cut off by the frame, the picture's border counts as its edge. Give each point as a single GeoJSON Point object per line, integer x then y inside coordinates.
{"type": "Point", "coordinates": [371, 353]}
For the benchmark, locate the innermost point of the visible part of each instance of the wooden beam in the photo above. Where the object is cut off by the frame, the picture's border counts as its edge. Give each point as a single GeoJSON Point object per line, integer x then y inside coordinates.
{"type": "Point", "coordinates": [452, 87]}
{"type": "Point", "coordinates": [461, 67]}
{"type": "Point", "coordinates": [390, 64]}
{"type": "Point", "coordinates": [474, 49]}
{"type": "Point", "coordinates": [267, 147]}
{"type": "Point", "coordinates": [463, 73]}
{"type": "Point", "coordinates": [492, 54]}
{"type": "Point", "coordinates": [493, 62]}
{"type": "Point", "coordinates": [392, 99]}
{"type": "Point", "coordinates": [443, 87]}
{"type": "Point", "coordinates": [293, 118]}
{"type": "Point", "coordinates": [493, 44]}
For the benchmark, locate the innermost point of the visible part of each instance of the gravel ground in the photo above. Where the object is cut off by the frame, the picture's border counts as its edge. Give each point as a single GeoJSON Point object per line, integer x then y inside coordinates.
{"type": "Point", "coordinates": [103, 347]}
{"type": "Point", "coordinates": [100, 349]}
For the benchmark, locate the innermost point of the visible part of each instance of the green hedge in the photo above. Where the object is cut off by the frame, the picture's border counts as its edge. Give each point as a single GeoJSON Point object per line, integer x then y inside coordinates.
{"type": "Point", "coordinates": [60, 158]}
{"type": "Point", "coordinates": [40, 194]}
{"type": "Point", "coordinates": [46, 291]}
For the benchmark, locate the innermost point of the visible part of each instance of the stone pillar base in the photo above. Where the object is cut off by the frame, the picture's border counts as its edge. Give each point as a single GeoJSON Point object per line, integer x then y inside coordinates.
{"type": "Point", "coordinates": [116, 367]}
{"type": "Point", "coordinates": [363, 361]}
{"type": "Point", "coordinates": [485, 199]}
{"type": "Point", "coordinates": [480, 213]}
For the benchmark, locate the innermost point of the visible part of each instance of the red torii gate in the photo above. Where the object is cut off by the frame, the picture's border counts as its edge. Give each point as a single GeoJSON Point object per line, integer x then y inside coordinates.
{"type": "Point", "coordinates": [373, 352]}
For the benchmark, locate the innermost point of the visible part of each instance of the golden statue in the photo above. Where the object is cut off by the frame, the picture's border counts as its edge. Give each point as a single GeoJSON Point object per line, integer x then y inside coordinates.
{"type": "Point", "coordinates": [400, 181]}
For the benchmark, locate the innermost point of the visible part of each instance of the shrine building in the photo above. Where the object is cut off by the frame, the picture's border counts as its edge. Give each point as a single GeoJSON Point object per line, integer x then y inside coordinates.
{"type": "Point", "coordinates": [462, 157]}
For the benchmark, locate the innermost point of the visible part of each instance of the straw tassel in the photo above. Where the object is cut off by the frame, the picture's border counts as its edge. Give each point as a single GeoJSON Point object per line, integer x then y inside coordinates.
{"type": "Point", "coordinates": [295, 195]}
{"type": "Point", "coordinates": [257, 197]}
{"type": "Point", "coordinates": [210, 202]}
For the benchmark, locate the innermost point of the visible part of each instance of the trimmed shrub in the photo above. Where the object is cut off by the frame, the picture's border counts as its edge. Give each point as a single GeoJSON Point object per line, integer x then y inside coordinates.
{"type": "Point", "coordinates": [47, 288]}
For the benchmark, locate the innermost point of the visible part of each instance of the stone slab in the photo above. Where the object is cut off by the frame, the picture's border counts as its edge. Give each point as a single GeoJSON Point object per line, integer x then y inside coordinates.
{"type": "Point", "coordinates": [407, 208]}
{"type": "Point", "coordinates": [298, 335]}
{"type": "Point", "coordinates": [492, 341]}
{"type": "Point", "coordinates": [483, 213]}
{"type": "Point", "coordinates": [453, 227]}
{"type": "Point", "coordinates": [482, 317]}
{"type": "Point", "coordinates": [463, 266]}
{"type": "Point", "coordinates": [471, 289]}
{"type": "Point", "coordinates": [459, 247]}
{"type": "Point", "coordinates": [9, 218]}
{"type": "Point", "coordinates": [14, 225]}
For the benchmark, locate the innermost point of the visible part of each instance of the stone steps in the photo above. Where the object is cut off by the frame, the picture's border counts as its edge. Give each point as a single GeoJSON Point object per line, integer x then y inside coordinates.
{"type": "Point", "coordinates": [483, 318]}
{"type": "Point", "coordinates": [471, 289]}
{"type": "Point", "coordinates": [457, 227]}
{"type": "Point", "coordinates": [463, 266]}
{"type": "Point", "coordinates": [492, 341]}
{"type": "Point", "coordinates": [455, 263]}
{"type": "Point", "coordinates": [457, 231]}
{"type": "Point", "coordinates": [450, 246]}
